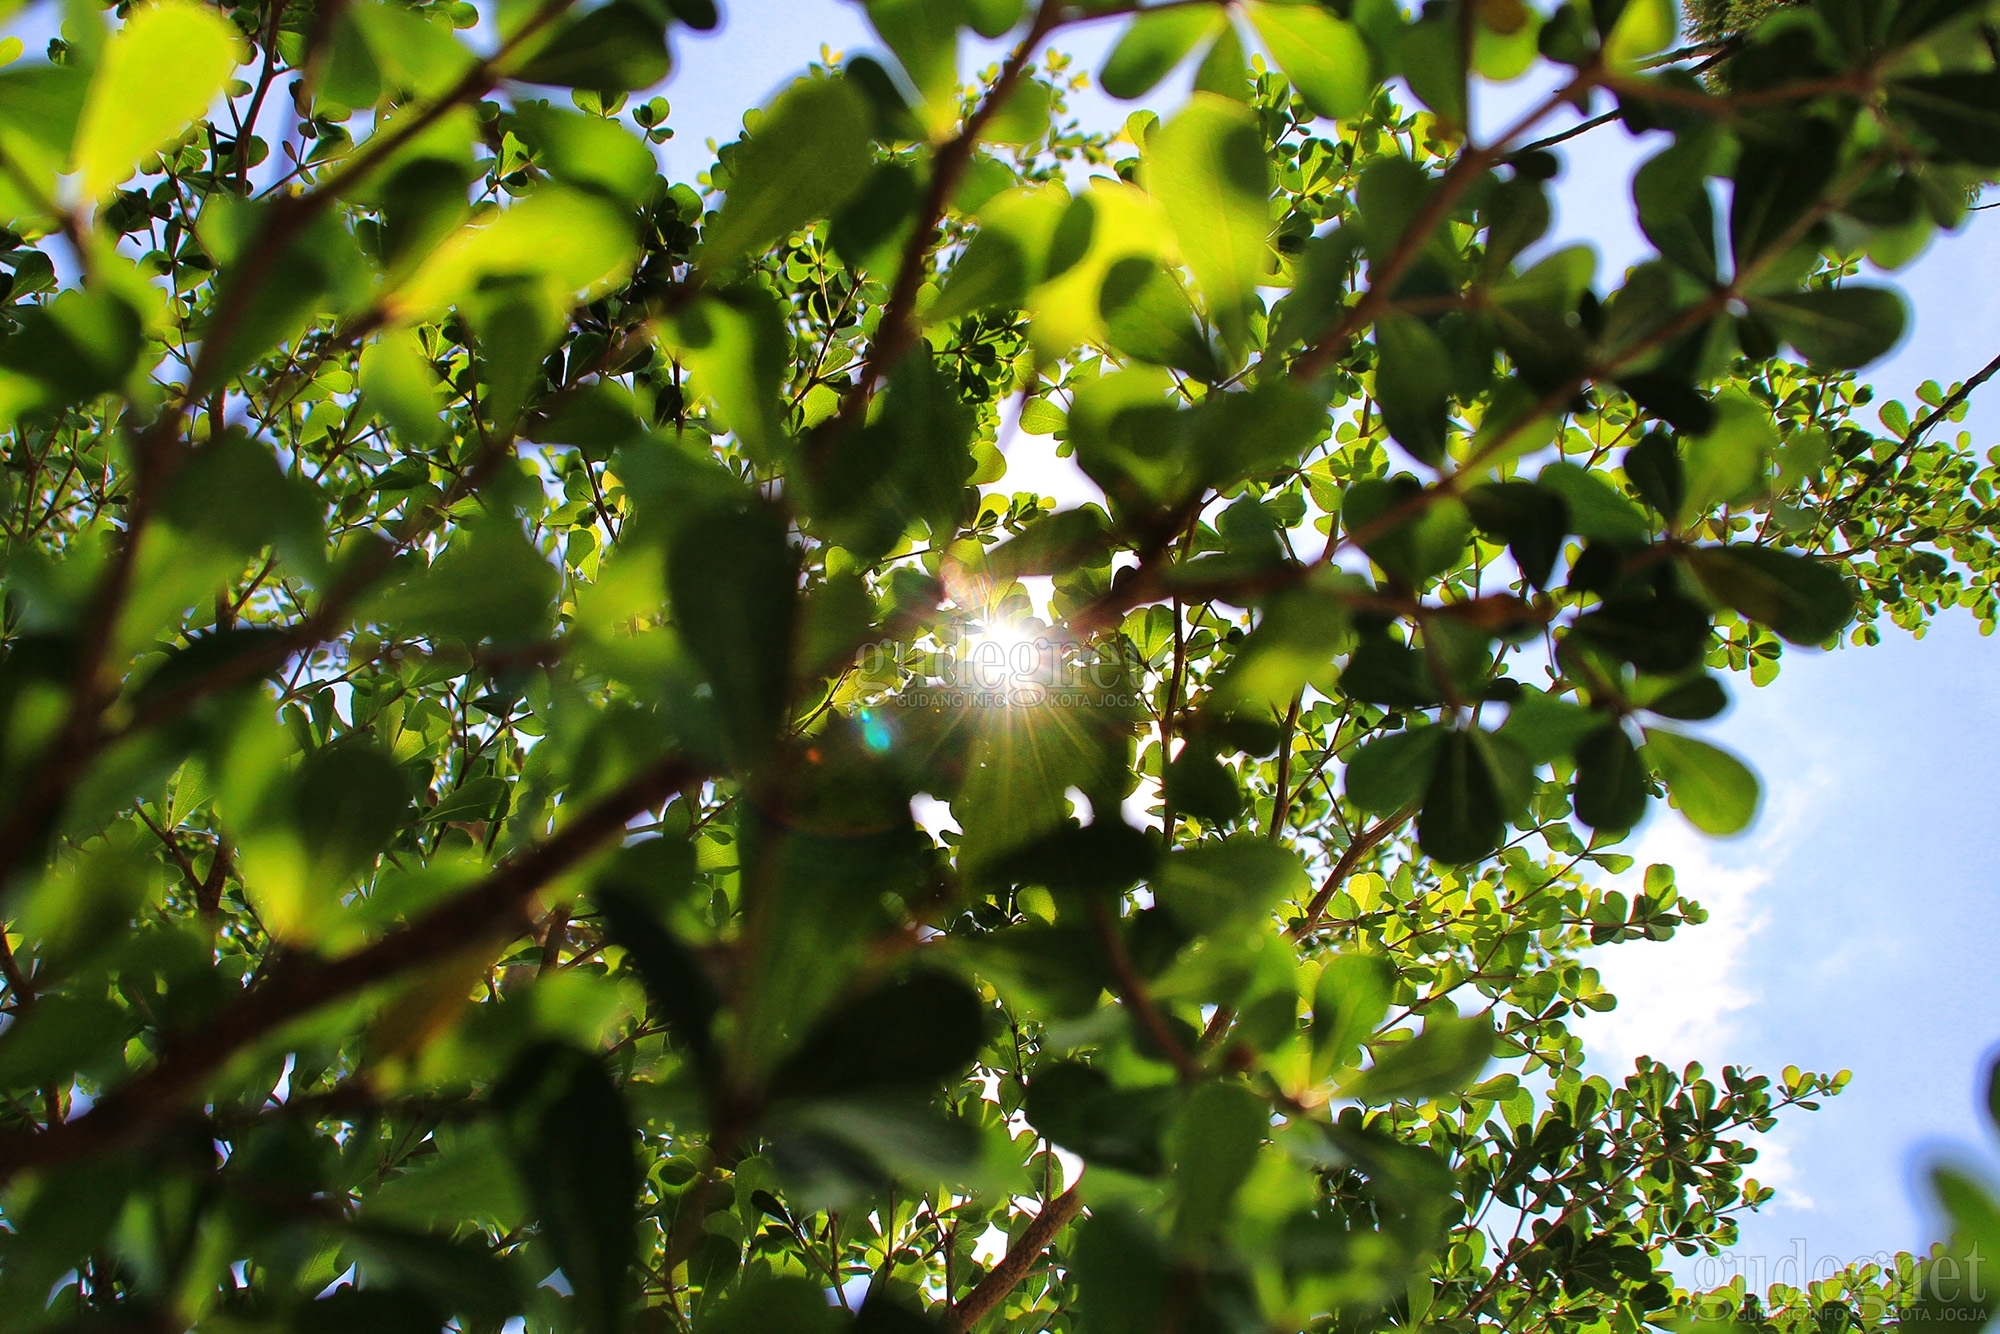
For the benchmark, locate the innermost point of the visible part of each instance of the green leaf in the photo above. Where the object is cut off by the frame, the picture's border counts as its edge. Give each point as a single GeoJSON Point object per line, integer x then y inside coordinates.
{"type": "Point", "coordinates": [736, 346]}
{"type": "Point", "coordinates": [474, 799]}
{"type": "Point", "coordinates": [156, 75]}
{"type": "Point", "coordinates": [1777, 180]}
{"type": "Point", "coordinates": [410, 50]}
{"type": "Point", "coordinates": [1207, 168]}
{"type": "Point", "coordinates": [1675, 211]}
{"type": "Point", "coordinates": [348, 800]}
{"type": "Point", "coordinates": [490, 583]}
{"type": "Point", "coordinates": [1149, 317]}
{"type": "Point", "coordinates": [767, 1303]}
{"type": "Point", "coordinates": [1392, 773]}
{"type": "Point", "coordinates": [1412, 384]}
{"type": "Point", "coordinates": [1023, 118]}
{"type": "Point", "coordinates": [1432, 55]}
{"type": "Point", "coordinates": [39, 108]}
{"type": "Point", "coordinates": [733, 576]}
{"type": "Point", "coordinates": [319, 271]}
{"type": "Point", "coordinates": [1294, 643]}
{"type": "Point", "coordinates": [1663, 635]}
{"type": "Point", "coordinates": [869, 231]}
{"type": "Point", "coordinates": [679, 992]}
{"type": "Point", "coordinates": [573, 241]}
{"type": "Point", "coordinates": [1530, 518]}
{"type": "Point", "coordinates": [589, 152]}
{"type": "Point", "coordinates": [76, 347]}
{"type": "Point", "coordinates": [906, 1035]}
{"type": "Point", "coordinates": [1475, 785]}
{"type": "Point", "coordinates": [1444, 1058]}
{"type": "Point", "coordinates": [1234, 435]}
{"type": "Point", "coordinates": [1222, 71]}
{"type": "Point", "coordinates": [1324, 56]}
{"type": "Point", "coordinates": [1417, 548]}
{"type": "Point", "coordinates": [469, 1178]}
{"type": "Point", "coordinates": [909, 465]}
{"type": "Point", "coordinates": [1805, 600]}
{"type": "Point", "coordinates": [1152, 45]}
{"type": "Point", "coordinates": [1125, 1282]}
{"type": "Point", "coordinates": [1516, 215]}
{"type": "Point", "coordinates": [399, 385]}
{"type": "Point", "coordinates": [924, 36]}
{"type": "Point", "coordinates": [1543, 727]}
{"type": "Point", "coordinates": [1056, 544]}
{"type": "Point", "coordinates": [810, 152]}
{"type": "Point", "coordinates": [1653, 466]}
{"type": "Point", "coordinates": [1230, 885]}
{"type": "Point", "coordinates": [1643, 28]}
{"type": "Point", "coordinates": [574, 1147]}
{"type": "Point", "coordinates": [1213, 1143]}
{"type": "Point", "coordinates": [1006, 256]}
{"type": "Point", "coordinates": [459, 1275]}
{"type": "Point", "coordinates": [231, 492]}
{"type": "Point", "coordinates": [1597, 511]}
{"type": "Point", "coordinates": [381, 1310]}
{"type": "Point", "coordinates": [1838, 327]}
{"type": "Point", "coordinates": [1715, 790]}
{"type": "Point", "coordinates": [618, 47]}
{"type": "Point", "coordinates": [1350, 1000]}
{"type": "Point", "coordinates": [1610, 790]}
{"type": "Point", "coordinates": [1200, 786]}
{"type": "Point", "coordinates": [1692, 700]}
{"type": "Point", "coordinates": [701, 15]}
{"type": "Point", "coordinates": [1726, 466]}
{"type": "Point", "coordinates": [59, 1036]}
{"type": "Point", "coordinates": [1078, 1108]}
{"type": "Point", "coordinates": [1960, 111]}
{"type": "Point", "coordinates": [1391, 193]}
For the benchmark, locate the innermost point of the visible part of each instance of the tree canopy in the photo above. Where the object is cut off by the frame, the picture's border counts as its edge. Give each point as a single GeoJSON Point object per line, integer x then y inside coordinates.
{"type": "Point", "coordinates": [545, 773]}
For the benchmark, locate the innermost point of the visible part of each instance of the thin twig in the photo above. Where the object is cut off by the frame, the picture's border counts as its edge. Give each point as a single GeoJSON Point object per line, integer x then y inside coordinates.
{"type": "Point", "coordinates": [1132, 993]}
{"type": "Point", "coordinates": [1917, 432]}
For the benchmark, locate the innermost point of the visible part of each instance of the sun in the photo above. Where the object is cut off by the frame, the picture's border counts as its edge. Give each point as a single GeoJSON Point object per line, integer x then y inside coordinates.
{"type": "Point", "coordinates": [1005, 661]}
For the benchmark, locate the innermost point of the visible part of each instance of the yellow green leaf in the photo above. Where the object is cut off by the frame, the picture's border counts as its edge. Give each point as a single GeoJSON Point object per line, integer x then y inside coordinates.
{"type": "Point", "coordinates": [1208, 171]}
{"type": "Point", "coordinates": [158, 74]}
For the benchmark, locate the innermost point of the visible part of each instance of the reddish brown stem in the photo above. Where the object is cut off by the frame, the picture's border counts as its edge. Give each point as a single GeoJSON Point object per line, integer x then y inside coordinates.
{"type": "Point", "coordinates": [1004, 1277]}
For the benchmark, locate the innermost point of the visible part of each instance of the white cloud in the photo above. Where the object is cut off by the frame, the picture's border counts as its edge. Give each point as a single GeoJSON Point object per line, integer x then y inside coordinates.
{"type": "Point", "coordinates": [1680, 1000]}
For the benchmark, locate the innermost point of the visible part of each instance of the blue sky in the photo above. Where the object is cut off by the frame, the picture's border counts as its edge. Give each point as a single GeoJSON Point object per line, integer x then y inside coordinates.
{"type": "Point", "coordinates": [1852, 927]}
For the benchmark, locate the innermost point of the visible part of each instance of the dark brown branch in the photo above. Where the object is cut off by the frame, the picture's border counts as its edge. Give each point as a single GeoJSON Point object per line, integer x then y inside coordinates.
{"type": "Point", "coordinates": [1460, 177]}
{"type": "Point", "coordinates": [1581, 127]}
{"type": "Point", "coordinates": [1364, 843]}
{"type": "Point", "coordinates": [494, 910]}
{"type": "Point", "coordinates": [897, 329]}
{"type": "Point", "coordinates": [1281, 786]}
{"type": "Point", "coordinates": [1004, 1277]}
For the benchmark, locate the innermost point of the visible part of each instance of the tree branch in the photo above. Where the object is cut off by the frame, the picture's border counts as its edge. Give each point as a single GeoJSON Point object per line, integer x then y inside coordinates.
{"type": "Point", "coordinates": [1005, 1276]}
{"type": "Point", "coordinates": [496, 906]}
{"type": "Point", "coordinates": [1363, 844]}
{"type": "Point", "coordinates": [1460, 177]}
{"type": "Point", "coordinates": [897, 330]}
{"type": "Point", "coordinates": [1916, 433]}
